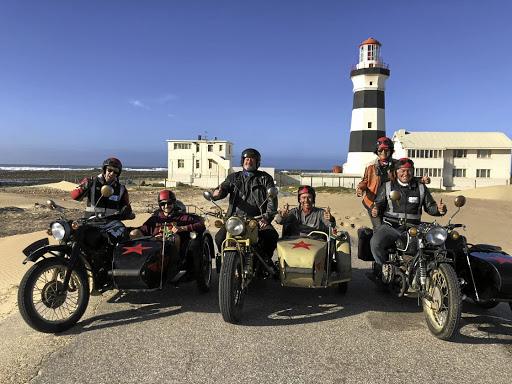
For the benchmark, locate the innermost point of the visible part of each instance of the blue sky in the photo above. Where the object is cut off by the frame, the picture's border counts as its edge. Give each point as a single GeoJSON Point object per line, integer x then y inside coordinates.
{"type": "Point", "coordinates": [84, 80]}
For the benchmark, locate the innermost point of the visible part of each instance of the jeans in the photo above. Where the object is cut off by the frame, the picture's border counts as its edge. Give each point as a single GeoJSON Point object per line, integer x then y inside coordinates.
{"type": "Point", "coordinates": [383, 239]}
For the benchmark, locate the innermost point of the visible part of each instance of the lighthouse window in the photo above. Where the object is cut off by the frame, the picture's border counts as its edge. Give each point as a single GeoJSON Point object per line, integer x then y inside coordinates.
{"type": "Point", "coordinates": [369, 124]}
{"type": "Point", "coordinates": [371, 82]}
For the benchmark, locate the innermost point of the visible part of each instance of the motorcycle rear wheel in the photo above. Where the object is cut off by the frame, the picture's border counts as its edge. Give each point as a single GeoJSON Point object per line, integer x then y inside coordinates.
{"type": "Point", "coordinates": [231, 292]}
{"type": "Point", "coordinates": [203, 266]}
{"type": "Point", "coordinates": [443, 312]}
{"type": "Point", "coordinates": [40, 303]}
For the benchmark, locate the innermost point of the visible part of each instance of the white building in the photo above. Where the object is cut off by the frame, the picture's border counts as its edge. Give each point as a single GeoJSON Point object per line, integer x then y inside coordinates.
{"type": "Point", "coordinates": [457, 160]}
{"type": "Point", "coordinates": [201, 162]}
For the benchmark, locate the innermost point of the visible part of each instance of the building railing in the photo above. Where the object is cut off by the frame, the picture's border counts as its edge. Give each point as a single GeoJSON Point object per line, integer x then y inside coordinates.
{"type": "Point", "coordinates": [377, 64]}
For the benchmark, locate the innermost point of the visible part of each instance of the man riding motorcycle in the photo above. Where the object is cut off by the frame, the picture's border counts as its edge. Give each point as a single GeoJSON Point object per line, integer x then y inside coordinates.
{"type": "Point", "coordinates": [415, 197]}
{"type": "Point", "coordinates": [248, 192]}
{"type": "Point", "coordinates": [118, 202]}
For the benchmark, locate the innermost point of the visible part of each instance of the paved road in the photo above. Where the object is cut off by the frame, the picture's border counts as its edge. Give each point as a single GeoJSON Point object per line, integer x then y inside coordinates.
{"type": "Point", "coordinates": [288, 336]}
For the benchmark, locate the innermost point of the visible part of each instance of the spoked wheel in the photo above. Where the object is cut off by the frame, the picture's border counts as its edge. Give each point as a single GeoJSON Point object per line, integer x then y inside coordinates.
{"type": "Point", "coordinates": [443, 312]}
{"type": "Point", "coordinates": [231, 291]}
{"type": "Point", "coordinates": [41, 303]}
{"type": "Point", "coordinates": [203, 266]}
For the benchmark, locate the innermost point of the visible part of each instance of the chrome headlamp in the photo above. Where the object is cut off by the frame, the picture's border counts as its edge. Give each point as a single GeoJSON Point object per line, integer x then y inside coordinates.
{"type": "Point", "coordinates": [436, 235]}
{"type": "Point", "coordinates": [235, 226]}
{"type": "Point", "coordinates": [60, 230]}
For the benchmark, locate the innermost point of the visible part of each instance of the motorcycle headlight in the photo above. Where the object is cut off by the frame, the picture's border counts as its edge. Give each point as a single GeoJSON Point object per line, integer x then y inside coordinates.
{"type": "Point", "coordinates": [436, 235]}
{"type": "Point", "coordinates": [60, 230]}
{"type": "Point", "coordinates": [235, 226]}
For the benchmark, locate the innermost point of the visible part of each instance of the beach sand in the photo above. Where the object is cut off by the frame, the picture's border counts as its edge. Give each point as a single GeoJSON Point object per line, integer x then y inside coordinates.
{"type": "Point", "coordinates": [485, 215]}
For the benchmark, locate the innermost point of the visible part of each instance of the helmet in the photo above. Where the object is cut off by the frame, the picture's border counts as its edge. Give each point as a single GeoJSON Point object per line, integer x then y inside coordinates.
{"type": "Point", "coordinates": [384, 142]}
{"type": "Point", "coordinates": [253, 154]}
{"type": "Point", "coordinates": [306, 189]}
{"type": "Point", "coordinates": [166, 195]}
{"type": "Point", "coordinates": [404, 162]}
{"type": "Point", "coordinates": [113, 162]}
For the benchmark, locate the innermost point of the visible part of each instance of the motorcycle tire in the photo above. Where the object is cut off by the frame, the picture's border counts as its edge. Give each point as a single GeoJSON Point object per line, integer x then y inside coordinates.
{"type": "Point", "coordinates": [203, 265]}
{"type": "Point", "coordinates": [443, 312]}
{"type": "Point", "coordinates": [343, 287]}
{"type": "Point", "coordinates": [231, 292]}
{"type": "Point", "coordinates": [40, 304]}
{"type": "Point", "coordinates": [486, 304]}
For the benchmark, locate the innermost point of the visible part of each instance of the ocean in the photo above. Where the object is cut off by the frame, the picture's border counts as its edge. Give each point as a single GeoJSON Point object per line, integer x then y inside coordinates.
{"type": "Point", "coordinates": [12, 175]}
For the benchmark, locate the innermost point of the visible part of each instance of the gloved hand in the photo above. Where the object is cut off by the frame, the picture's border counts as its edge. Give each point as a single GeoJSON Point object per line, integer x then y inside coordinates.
{"type": "Point", "coordinates": [86, 184]}
{"type": "Point", "coordinates": [126, 212]}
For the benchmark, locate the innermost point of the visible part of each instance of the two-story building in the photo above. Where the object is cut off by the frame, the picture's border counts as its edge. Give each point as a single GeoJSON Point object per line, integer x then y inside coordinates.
{"type": "Point", "coordinates": [201, 162]}
{"type": "Point", "coordinates": [457, 160]}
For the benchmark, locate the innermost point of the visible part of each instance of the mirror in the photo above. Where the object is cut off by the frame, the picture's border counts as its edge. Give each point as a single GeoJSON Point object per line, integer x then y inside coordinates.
{"type": "Point", "coordinates": [460, 201]}
{"type": "Point", "coordinates": [107, 191]}
{"type": "Point", "coordinates": [272, 192]}
{"type": "Point", "coordinates": [50, 204]}
{"type": "Point", "coordinates": [208, 195]}
{"type": "Point", "coordinates": [395, 195]}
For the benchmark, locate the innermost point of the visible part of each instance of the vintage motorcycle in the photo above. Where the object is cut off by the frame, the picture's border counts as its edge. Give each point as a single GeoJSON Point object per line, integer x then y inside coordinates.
{"type": "Point", "coordinates": [420, 265]}
{"type": "Point", "coordinates": [315, 262]}
{"type": "Point", "coordinates": [54, 293]}
{"type": "Point", "coordinates": [240, 260]}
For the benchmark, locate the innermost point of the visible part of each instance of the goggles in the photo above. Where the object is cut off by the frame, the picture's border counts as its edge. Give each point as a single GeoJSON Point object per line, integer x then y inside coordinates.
{"type": "Point", "coordinates": [384, 142]}
{"type": "Point", "coordinates": [404, 163]}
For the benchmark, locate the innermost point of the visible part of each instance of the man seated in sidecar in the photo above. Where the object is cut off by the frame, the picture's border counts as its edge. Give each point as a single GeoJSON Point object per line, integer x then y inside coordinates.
{"type": "Point", "coordinates": [306, 217]}
{"type": "Point", "coordinates": [170, 219]}
{"type": "Point", "coordinates": [415, 197]}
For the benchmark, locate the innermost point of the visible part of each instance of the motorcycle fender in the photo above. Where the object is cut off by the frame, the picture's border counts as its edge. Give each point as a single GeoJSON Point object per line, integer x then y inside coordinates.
{"type": "Point", "coordinates": [493, 274]}
{"type": "Point", "coordinates": [301, 261]}
{"type": "Point", "coordinates": [37, 250]}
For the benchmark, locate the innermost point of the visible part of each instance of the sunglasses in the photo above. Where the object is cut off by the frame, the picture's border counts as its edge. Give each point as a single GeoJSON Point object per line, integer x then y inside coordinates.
{"type": "Point", "coordinates": [114, 171]}
{"type": "Point", "coordinates": [382, 149]}
{"type": "Point", "coordinates": [164, 203]}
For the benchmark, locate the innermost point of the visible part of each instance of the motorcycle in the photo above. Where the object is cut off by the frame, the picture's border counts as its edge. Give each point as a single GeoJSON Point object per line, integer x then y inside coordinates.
{"type": "Point", "coordinates": [54, 293]}
{"type": "Point", "coordinates": [240, 260]}
{"type": "Point", "coordinates": [313, 262]}
{"type": "Point", "coordinates": [421, 265]}
{"type": "Point", "coordinates": [484, 270]}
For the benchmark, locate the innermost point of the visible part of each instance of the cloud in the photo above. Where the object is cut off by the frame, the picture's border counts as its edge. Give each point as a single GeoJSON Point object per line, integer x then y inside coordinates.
{"type": "Point", "coordinates": [138, 104]}
{"type": "Point", "coordinates": [166, 98]}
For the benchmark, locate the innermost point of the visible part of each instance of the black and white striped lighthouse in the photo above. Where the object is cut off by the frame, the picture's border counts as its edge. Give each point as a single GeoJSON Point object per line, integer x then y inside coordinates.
{"type": "Point", "coordinates": [368, 117]}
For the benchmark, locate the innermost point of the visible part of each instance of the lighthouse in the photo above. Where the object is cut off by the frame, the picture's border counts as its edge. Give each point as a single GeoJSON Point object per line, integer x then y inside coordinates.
{"type": "Point", "coordinates": [368, 118]}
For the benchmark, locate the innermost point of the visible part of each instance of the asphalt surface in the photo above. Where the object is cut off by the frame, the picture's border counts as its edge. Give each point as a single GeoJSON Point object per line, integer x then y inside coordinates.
{"type": "Point", "coordinates": [288, 335]}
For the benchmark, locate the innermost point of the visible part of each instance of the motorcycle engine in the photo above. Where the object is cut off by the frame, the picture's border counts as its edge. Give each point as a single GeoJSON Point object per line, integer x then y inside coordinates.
{"type": "Point", "coordinates": [407, 244]}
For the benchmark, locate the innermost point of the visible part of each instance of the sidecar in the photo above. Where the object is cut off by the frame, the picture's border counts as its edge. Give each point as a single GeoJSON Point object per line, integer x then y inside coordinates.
{"type": "Point", "coordinates": [486, 272]}
{"type": "Point", "coordinates": [318, 260]}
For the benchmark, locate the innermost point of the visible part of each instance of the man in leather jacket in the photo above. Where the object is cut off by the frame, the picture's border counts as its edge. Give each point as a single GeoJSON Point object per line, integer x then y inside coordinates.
{"type": "Point", "coordinates": [247, 190]}
{"type": "Point", "coordinates": [415, 197]}
{"type": "Point", "coordinates": [119, 202]}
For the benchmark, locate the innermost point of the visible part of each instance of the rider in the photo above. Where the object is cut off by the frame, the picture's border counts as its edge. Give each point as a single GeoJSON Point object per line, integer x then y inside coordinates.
{"type": "Point", "coordinates": [377, 174]}
{"type": "Point", "coordinates": [248, 192]}
{"type": "Point", "coordinates": [118, 202]}
{"type": "Point", "coordinates": [306, 217]}
{"type": "Point", "coordinates": [414, 197]}
{"type": "Point", "coordinates": [169, 217]}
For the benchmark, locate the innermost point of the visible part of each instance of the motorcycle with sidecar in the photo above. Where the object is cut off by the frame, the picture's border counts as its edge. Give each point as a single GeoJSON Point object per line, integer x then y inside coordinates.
{"type": "Point", "coordinates": [438, 265]}
{"type": "Point", "coordinates": [54, 293]}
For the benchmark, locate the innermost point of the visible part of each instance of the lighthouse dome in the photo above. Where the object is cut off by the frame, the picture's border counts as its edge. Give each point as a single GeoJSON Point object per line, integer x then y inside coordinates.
{"type": "Point", "coordinates": [371, 40]}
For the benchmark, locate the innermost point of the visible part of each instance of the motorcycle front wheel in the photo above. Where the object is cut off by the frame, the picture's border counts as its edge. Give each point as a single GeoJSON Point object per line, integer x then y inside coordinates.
{"type": "Point", "coordinates": [41, 303]}
{"type": "Point", "coordinates": [203, 265]}
{"type": "Point", "coordinates": [231, 291]}
{"type": "Point", "coordinates": [443, 312]}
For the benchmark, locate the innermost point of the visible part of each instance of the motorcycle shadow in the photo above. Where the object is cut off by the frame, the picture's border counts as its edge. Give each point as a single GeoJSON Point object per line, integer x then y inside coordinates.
{"type": "Point", "coordinates": [270, 304]}
{"type": "Point", "coordinates": [485, 326]}
{"type": "Point", "coordinates": [129, 307]}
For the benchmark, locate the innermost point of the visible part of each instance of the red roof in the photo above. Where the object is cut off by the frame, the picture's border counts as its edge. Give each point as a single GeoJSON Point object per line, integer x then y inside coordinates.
{"type": "Point", "coordinates": [371, 40]}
